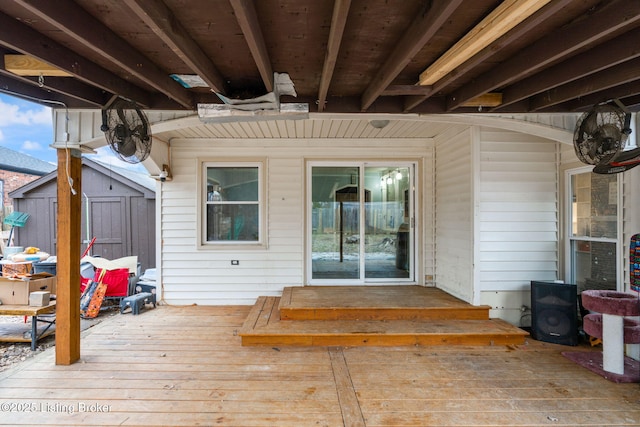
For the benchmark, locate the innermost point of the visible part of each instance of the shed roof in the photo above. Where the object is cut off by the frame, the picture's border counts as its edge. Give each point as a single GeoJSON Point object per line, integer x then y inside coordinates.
{"type": "Point", "coordinates": [14, 161]}
{"type": "Point", "coordinates": [141, 178]}
{"type": "Point", "coordinates": [135, 180]}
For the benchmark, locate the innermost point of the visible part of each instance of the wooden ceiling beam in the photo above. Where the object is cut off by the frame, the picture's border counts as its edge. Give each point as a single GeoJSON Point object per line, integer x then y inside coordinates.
{"type": "Point", "coordinates": [386, 104]}
{"type": "Point", "coordinates": [248, 20]}
{"type": "Point", "coordinates": [500, 21]}
{"type": "Point", "coordinates": [601, 57]}
{"type": "Point", "coordinates": [67, 16]}
{"type": "Point", "coordinates": [400, 90]}
{"type": "Point", "coordinates": [620, 92]}
{"type": "Point", "coordinates": [597, 82]}
{"type": "Point", "coordinates": [421, 30]}
{"type": "Point", "coordinates": [561, 43]}
{"type": "Point", "coordinates": [69, 88]}
{"type": "Point", "coordinates": [485, 54]}
{"type": "Point", "coordinates": [22, 38]}
{"type": "Point", "coordinates": [49, 85]}
{"type": "Point", "coordinates": [25, 65]}
{"type": "Point", "coordinates": [164, 24]}
{"type": "Point", "coordinates": [338, 24]}
{"type": "Point", "coordinates": [43, 96]}
{"type": "Point", "coordinates": [491, 99]}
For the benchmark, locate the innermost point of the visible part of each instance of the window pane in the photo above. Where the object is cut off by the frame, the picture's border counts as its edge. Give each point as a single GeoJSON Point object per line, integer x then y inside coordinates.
{"type": "Point", "coordinates": [233, 184]}
{"type": "Point", "coordinates": [594, 264]}
{"type": "Point", "coordinates": [594, 205]}
{"type": "Point", "coordinates": [232, 206]}
{"type": "Point", "coordinates": [232, 222]}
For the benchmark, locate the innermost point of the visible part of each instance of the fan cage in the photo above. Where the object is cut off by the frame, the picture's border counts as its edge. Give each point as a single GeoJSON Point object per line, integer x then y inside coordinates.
{"type": "Point", "coordinates": [600, 134]}
{"type": "Point", "coordinates": [127, 131]}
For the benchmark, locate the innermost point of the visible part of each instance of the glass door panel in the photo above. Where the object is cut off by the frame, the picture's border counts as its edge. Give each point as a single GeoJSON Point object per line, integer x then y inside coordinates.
{"type": "Point", "coordinates": [335, 222]}
{"type": "Point", "coordinates": [360, 223]}
{"type": "Point", "coordinates": [387, 219]}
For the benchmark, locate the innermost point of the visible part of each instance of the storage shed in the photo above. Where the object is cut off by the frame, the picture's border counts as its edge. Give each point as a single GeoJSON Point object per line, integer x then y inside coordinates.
{"type": "Point", "coordinates": [17, 169]}
{"type": "Point", "coordinates": [119, 203]}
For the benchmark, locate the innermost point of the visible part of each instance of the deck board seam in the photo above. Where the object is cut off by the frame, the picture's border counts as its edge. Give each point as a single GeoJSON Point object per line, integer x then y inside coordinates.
{"type": "Point", "coordinates": [350, 409]}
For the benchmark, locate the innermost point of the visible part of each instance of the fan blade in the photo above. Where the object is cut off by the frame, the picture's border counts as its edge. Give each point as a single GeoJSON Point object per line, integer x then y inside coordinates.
{"type": "Point", "coordinates": [589, 124]}
{"type": "Point", "coordinates": [141, 132]}
{"type": "Point", "coordinates": [127, 147]}
{"type": "Point", "coordinates": [609, 140]}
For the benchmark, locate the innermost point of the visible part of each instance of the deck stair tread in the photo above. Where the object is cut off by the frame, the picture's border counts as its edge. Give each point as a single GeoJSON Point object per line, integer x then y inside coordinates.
{"type": "Point", "coordinates": [375, 303]}
{"type": "Point", "coordinates": [264, 326]}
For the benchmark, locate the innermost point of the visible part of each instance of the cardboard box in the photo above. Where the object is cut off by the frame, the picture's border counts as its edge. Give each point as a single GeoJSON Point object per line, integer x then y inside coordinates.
{"type": "Point", "coordinates": [17, 291]}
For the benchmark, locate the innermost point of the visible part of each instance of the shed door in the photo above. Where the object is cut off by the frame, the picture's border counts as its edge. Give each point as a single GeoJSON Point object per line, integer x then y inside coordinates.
{"type": "Point", "coordinates": [360, 223]}
{"type": "Point", "coordinates": [108, 216]}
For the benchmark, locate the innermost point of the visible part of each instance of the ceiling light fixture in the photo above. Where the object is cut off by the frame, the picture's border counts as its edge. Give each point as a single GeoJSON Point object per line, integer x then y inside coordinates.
{"type": "Point", "coordinates": [504, 18]}
{"type": "Point", "coordinates": [379, 124]}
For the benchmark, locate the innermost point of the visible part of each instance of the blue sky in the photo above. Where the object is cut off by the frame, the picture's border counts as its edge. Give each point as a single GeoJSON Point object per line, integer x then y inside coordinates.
{"type": "Point", "coordinates": [27, 127]}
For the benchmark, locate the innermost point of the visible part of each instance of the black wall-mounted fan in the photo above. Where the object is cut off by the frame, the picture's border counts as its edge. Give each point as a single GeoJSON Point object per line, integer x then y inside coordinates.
{"type": "Point", "coordinates": [601, 133]}
{"type": "Point", "coordinates": [127, 130]}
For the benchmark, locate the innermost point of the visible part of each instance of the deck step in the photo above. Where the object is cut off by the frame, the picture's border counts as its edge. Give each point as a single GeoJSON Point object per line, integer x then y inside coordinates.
{"type": "Point", "coordinates": [263, 326]}
{"type": "Point", "coordinates": [375, 303]}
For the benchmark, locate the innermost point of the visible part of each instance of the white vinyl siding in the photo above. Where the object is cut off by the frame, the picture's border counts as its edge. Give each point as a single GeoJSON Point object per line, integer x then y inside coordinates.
{"type": "Point", "coordinates": [207, 277]}
{"type": "Point", "coordinates": [426, 174]}
{"type": "Point", "coordinates": [454, 219]}
{"type": "Point", "coordinates": [518, 211]}
{"type": "Point", "coordinates": [496, 222]}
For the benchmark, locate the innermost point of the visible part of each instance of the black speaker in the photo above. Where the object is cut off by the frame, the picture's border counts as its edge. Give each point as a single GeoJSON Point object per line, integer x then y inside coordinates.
{"type": "Point", "coordinates": [554, 312]}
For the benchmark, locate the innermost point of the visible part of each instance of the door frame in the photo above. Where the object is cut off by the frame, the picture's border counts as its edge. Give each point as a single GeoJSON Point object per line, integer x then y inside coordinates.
{"type": "Point", "coordinates": [415, 233]}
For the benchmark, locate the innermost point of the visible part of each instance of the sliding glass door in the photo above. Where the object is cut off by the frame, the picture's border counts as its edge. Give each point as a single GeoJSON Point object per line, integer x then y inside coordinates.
{"type": "Point", "coordinates": [360, 222]}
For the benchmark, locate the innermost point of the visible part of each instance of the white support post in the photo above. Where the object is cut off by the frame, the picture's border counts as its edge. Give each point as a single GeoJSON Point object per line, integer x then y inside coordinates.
{"type": "Point", "coordinates": [613, 343]}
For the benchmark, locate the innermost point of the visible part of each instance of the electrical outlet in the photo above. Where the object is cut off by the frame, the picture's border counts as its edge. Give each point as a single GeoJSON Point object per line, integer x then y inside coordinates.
{"type": "Point", "coordinates": [235, 262]}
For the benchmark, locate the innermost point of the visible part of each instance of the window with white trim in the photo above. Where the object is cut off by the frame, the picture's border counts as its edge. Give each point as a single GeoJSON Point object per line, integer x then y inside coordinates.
{"type": "Point", "coordinates": [232, 203]}
{"type": "Point", "coordinates": [594, 218]}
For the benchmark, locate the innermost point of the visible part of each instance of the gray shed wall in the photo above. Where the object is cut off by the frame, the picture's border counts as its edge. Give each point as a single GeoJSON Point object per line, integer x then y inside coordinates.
{"type": "Point", "coordinates": [121, 218]}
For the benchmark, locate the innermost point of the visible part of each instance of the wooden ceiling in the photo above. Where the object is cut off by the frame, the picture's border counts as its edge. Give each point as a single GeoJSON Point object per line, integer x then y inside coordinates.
{"type": "Point", "coordinates": [342, 55]}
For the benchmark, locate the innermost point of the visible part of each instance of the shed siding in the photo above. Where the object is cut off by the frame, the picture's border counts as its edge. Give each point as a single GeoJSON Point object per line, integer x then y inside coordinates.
{"type": "Point", "coordinates": [143, 223]}
{"type": "Point", "coordinates": [201, 276]}
{"type": "Point", "coordinates": [37, 231]}
{"type": "Point", "coordinates": [121, 218]}
{"type": "Point", "coordinates": [454, 221]}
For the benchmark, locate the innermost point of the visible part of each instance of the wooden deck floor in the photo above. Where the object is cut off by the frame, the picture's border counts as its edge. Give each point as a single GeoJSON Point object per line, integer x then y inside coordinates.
{"type": "Point", "coordinates": [185, 366]}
